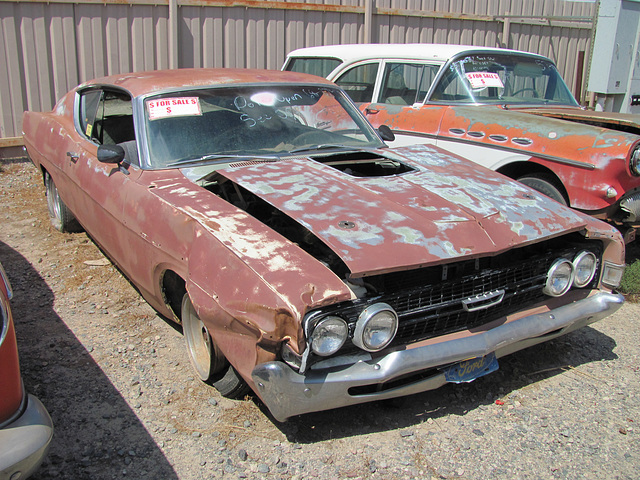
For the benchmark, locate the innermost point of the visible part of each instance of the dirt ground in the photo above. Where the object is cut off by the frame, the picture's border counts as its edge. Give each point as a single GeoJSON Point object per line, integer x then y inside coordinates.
{"type": "Point", "coordinates": [125, 402]}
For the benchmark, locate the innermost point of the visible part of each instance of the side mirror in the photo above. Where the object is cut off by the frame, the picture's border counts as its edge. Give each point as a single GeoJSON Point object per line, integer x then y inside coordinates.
{"type": "Point", "coordinates": [110, 153]}
{"type": "Point", "coordinates": [386, 134]}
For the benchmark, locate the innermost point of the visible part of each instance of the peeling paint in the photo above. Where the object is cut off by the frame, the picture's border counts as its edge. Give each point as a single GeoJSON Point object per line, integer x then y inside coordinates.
{"type": "Point", "coordinates": [408, 210]}
{"type": "Point", "coordinates": [577, 153]}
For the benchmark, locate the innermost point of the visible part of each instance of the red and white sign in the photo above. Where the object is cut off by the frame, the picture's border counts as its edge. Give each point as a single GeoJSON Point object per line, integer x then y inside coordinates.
{"type": "Point", "coordinates": [484, 79]}
{"type": "Point", "coordinates": [173, 107]}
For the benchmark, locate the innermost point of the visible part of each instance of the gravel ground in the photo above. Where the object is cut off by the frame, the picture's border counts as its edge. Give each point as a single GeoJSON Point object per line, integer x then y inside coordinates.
{"type": "Point", "coordinates": [125, 403]}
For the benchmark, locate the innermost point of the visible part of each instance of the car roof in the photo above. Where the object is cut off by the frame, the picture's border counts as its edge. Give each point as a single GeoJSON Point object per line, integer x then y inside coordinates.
{"type": "Point", "coordinates": [141, 83]}
{"type": "Point", "coordinates": [416, 51]}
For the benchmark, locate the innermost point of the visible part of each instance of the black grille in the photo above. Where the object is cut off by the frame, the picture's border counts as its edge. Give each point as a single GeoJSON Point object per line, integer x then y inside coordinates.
{"type": "Point", "coordinates": [438, 309]}
{"type": "Point", "coordinates": [429, 301]}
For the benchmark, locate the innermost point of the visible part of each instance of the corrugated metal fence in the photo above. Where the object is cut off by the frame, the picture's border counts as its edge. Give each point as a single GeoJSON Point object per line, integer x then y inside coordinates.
{"type": "Point", "coordinates": [46, 48]}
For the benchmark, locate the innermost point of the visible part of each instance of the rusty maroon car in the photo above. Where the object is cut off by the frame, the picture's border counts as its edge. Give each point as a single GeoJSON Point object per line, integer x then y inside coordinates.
{"type": "Point", "coordinates": [305, 259]}
{"type": "Point", "coordinates": [26, 428]}
{"type": "Point", "coordinates": [507, 110]}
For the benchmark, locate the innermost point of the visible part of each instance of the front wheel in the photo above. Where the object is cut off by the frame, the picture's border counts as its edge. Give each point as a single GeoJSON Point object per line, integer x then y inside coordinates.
{"type": "Point", "coordinates": [207, 360]}
{"type": "Point", "coordinates": [61, 217]}
{"type": "Point", "coordinates": [544, 184]}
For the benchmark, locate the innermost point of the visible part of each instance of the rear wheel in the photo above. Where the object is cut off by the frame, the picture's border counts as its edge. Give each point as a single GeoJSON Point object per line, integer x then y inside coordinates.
{"type": "Point", "coordinates": [61, 217]}
{"type": "Point", "coordinates": [544, 184]}
{"type": "Point", "coordinates": [207, 360]}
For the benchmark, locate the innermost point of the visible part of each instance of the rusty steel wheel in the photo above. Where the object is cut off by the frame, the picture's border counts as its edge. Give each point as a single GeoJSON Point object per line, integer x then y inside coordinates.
{"type": "Point", "coordinates": [207, 360]}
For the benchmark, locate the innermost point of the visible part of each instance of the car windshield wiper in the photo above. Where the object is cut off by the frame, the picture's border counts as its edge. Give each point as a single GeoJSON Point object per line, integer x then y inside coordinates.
{"type": "Point", "coordinates": [325, 146]}
{"type": "Point", "coordinates": [220, 157]}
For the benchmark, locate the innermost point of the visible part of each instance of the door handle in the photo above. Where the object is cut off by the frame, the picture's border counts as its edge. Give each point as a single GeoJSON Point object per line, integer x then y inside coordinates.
{"type": "Point", "coordinates": [371, 111]}
{"type": "Point", "coordinates": [73, 156]}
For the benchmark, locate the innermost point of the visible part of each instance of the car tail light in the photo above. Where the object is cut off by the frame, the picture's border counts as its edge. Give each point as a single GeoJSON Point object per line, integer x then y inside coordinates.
{"type": "Point", "coordinates": [10, 380]}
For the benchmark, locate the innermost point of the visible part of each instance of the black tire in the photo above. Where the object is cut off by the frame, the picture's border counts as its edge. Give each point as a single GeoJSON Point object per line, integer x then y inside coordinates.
{"type": "Point", "coordinates": [546, 185]}
{"type": "Point", "coordinates": [61, 217]}
{"type": "Point", "coordinates": [209, 363]}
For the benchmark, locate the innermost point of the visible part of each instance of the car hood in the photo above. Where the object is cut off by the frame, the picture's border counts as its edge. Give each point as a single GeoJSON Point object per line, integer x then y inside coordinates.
{"type": "Point", "coordinates": [444, 209]}
{"type": "Point", "coordinates": [617, 121]}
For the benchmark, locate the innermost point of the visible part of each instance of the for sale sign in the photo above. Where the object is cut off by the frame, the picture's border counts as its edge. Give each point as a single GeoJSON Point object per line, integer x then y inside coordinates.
{"type": "Point", "coordinates": [479, 80]}
{"type": "Point", "coordinates": [173, 107]}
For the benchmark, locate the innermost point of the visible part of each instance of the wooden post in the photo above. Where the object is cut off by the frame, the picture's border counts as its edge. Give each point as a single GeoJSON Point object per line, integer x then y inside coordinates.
{"type": "Point", "coordinates": [173, 34]}
{"type": "Point", "coordinates": [506, 26]}
{"type": "Point", "coordinates": [368, 21]}
{"type": "Point", "coordinates": [579, 76]}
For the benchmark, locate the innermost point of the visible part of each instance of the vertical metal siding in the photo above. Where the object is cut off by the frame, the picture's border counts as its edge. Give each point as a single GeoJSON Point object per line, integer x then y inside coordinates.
{"type": "Point", "coordinates": [46, 48]}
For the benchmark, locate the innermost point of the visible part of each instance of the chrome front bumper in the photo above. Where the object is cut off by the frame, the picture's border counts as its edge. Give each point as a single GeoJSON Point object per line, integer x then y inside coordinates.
{"type": "Point", "coordinates": [287, 393]}
{"type": "Point", "coordinates": [24, 442]}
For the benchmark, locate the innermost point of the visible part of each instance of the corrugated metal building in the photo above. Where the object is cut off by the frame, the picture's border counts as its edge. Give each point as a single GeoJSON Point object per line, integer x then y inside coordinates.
{"type": "Point", "coordinates": [46, 48]}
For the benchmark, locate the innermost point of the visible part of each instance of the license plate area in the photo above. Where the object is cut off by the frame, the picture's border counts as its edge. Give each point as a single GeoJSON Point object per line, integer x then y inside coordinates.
{"type": "Point", "coordinates": [468, 370]}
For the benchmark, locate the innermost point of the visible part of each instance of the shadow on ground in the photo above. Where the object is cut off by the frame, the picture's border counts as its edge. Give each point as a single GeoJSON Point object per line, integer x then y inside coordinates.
{"type": "Point", "coordinates": [516, 371]}
{"type": "Point", "coordinates": [96, 434]}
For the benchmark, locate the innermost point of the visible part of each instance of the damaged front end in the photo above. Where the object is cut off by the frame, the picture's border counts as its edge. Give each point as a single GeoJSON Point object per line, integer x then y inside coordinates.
{"type": "Point", "coordinates": [413, 316]}
{"type": "Point", "coordinates": [404, 333]}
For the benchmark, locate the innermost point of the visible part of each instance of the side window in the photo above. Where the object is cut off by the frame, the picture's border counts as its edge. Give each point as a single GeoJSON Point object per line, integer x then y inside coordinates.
{"type": "Point", "coordinates": [106, 118]}
{"type": "Point", "coordinates": [89, 102]}
{"type": "Point", "coordinates": [359, 82]}
{"type": "Point", "coordinates": [405, 83]}
{"type": "Point", "coordinates": [321, 67]}
{"type": "Point", "coordinates": [451, 88]}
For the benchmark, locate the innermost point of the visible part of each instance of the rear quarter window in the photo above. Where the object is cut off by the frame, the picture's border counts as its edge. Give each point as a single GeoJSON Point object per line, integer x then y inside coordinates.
{"type": "Point", "coordinates": [321, 67]}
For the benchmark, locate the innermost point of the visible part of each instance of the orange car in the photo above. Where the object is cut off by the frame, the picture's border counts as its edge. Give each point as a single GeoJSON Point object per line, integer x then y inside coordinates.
{"type": "Point", "coordinates": [25, 425]}
{"type": "Point", "coordinates": [504, 109]}
{"type": "Point", "coordinates": [304, 258]}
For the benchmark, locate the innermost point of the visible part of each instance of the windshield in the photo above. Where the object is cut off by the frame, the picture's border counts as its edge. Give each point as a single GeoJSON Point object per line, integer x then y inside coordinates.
{"type": "Point", "coordinates": [499, 79]}
{"type": "Point", "coordinates": [251, 121]}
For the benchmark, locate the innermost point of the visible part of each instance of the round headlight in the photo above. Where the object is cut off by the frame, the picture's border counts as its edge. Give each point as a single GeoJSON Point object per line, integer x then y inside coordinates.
{"type": "Point", "coordinates": [559, 278]}
{"type": "Point", "coordinates": [634, 161]}
{"type": "Point", "coordinates": [328, 336]}
{"type": "Point", "coordinates": [584, 267]}
{"type": "Point", "coordinates": [376, 327]}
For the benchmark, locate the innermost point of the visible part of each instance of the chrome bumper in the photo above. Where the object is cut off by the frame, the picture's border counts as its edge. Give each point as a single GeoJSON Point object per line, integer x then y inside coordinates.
{"type": "Point", "coordinates": [287, 393]}
{"type": "Point", "coordinates": [24, 442]}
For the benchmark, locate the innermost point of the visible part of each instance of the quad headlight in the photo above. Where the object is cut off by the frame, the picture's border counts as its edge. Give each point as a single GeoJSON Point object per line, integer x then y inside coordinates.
{"type": "Point", "coordinates": [559, 278]}
{"type": "Point", "coordinates": [329, 335]}
{"type": "Point", "coordinates": [584, 267]}
{"type": "Point", "coordinates": [564, 273]}
{"type": "Point", "coordinates": [376, 327]}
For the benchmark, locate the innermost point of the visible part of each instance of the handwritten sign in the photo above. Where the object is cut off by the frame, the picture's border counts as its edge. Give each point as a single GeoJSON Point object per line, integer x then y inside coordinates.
{"type": "Point", "coordinates": [173, 107]}
{"type": "Point", "coordinates": [479, 80]}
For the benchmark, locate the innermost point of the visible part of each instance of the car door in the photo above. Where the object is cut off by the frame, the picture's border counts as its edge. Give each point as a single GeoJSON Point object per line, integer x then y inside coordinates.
{"type": "Point", "coordinates": [399, 94]}
{"type": "Point", "coordinates": [359, 81]}
{"type": "Point", "coordinates": [103, 117]}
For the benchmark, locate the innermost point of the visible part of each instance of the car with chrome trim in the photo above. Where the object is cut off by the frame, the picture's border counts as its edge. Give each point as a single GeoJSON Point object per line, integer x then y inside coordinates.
{"type": "Point", "coordinates": [26, 428]}
{"type": "Point", "coordinates": [303, 258]}
{"type": "Point", "coordinates": [507, 110]}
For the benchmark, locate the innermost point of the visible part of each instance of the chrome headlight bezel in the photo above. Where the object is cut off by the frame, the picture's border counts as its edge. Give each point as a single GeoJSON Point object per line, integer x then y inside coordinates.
{"type": "Point", "coordinates": [329, 335]}
{"type": "Point", "coordinates": [368, 325]}
{"type": "Point", "coordinates": [634, 161]}
{"type": "Point", "coordinates": [558, 270]}
{"type": "Point", "coordinates": [581, 261]}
